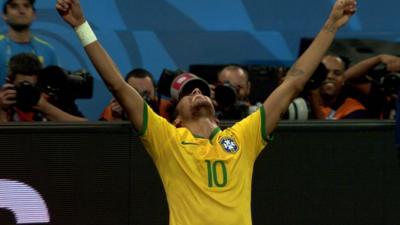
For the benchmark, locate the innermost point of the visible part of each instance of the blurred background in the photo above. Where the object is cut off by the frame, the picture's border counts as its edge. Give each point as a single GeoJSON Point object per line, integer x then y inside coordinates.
{"type": "Point", "coordinates": [158, 34]}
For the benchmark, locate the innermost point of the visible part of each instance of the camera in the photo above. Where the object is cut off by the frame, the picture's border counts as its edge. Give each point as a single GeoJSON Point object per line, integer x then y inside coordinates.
{"type": "Point", "coordinates": [229, 106]}
{"type": "Point", "coordinates": [28, 95]}
{"type": "Point", "coordinates": [62, 87]}
{"type": "Point", "coordinates": [225, 95]}
{"type": "Point", "coordinates": [299, 109]}
{"type": "Point", "coordinates": [389, 82]}
{"type": "Point", "coordinates": [317, 78]}
{"type": "Point", "coordinates": [65, 85]}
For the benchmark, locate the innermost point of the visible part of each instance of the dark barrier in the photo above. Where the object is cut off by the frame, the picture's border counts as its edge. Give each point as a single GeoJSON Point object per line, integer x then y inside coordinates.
{"type": "Point", "coordinates": [81, 172]}
{"type": "Point", "coordinates": [328, 173]}
{"type": "Point", "coordinates": [98, 174]}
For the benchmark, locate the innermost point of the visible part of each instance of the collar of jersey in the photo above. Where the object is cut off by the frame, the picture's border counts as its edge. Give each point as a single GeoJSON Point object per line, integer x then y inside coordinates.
{"type": "Point", "coordinates": [212, 135]}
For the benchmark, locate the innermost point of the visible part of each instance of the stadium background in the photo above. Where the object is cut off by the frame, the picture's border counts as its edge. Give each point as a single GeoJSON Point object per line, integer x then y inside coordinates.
{"type": "Point", "coordinates": [157, 34]}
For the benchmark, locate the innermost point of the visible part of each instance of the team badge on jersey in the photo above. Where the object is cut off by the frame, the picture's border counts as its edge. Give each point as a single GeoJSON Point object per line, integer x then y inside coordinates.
{"type": "Point", "coordinates": [229, 144]}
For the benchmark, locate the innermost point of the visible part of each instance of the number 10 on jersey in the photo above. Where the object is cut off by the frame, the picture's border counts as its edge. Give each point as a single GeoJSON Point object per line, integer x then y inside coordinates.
{"type": "Point", "coordinates": [214, 178]}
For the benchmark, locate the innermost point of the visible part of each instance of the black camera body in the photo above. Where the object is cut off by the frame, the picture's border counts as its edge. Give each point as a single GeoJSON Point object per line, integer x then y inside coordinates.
{"type": "Point", "coordinates": [229, 105]}
{"type": "Point", "coordinates": [28, 95]}
{"type": "Point", "coordinates": [388, 81]}
{"type": "Point", "coordinates": [317, 78]}
{"type": "Point", "coordinates": [64, 85]}
{"type": "Point", "coordinates": [225, 95]}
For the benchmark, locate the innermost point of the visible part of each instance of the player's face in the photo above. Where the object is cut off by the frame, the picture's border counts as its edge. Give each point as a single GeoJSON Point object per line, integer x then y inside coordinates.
{"type": "Point", "coordinates": [334, 81]}
{"type": "Point", "coordinates": [19, 14]}
{"type": "Point", "coordinates": [195, 105]}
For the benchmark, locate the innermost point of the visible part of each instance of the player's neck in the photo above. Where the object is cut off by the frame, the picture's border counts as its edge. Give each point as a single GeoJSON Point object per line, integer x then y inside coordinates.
{"type": "Point", "coordinates": [201, 127]}
{"type": "Point", "coordinates": [23, 36]}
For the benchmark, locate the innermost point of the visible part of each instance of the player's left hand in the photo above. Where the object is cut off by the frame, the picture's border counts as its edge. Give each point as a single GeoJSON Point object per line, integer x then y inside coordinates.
{"type": "Point", "coordinates": [342, 12]}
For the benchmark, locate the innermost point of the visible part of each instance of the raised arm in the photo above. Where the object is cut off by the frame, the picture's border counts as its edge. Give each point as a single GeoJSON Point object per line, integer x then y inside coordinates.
{"type": "Point", "coordinates": [361, 69]}
{"type": "Point", "coordinates": [277, 103]}
{"type": "Point", "coordinates": [128, 97]}
{"type": "Point", "coordinates": [53, 113]}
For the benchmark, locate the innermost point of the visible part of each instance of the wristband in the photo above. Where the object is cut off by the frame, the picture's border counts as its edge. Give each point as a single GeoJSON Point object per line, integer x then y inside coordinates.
{"type": "Point", "coordinates": [85, 34]}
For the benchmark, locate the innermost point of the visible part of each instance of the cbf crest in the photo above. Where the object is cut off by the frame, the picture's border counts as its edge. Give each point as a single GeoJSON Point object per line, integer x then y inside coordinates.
{"type": "Point", "coordinates": [229, 144]}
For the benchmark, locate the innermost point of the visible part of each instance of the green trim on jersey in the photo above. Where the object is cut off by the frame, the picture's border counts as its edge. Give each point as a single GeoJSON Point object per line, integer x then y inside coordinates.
{"type": "Point", "coordinates": [145, 120]}
{"type": "Point", "coordinates": [264, 132]}
{"type": "Point", "coordinates": [263, 128]}
{"type": "Point", "coordinates": [214, 133]}
{"type": "Point", "coordinates": [198, 136]}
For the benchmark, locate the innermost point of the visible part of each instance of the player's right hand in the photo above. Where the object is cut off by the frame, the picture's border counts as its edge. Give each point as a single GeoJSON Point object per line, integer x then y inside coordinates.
{"type": "Point", "coordinates": [8, 96]}
{"type": "Point", "coordinates": [71, 12]}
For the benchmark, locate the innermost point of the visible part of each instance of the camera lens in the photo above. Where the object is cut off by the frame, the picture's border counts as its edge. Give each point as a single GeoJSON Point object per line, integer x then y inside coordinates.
{"type": "Point", "coordinates": [28, 95]}
{"type": "Point", "coordinates": [225, 95]}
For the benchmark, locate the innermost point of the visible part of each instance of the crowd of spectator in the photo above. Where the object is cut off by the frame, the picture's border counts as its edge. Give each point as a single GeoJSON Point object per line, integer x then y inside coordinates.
{"type": "Point", "coordinates": [357, 92]}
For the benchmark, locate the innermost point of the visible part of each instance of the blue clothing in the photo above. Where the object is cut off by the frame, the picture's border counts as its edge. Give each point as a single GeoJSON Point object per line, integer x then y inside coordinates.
{"type": "Point", "coordinates": [37, 46]}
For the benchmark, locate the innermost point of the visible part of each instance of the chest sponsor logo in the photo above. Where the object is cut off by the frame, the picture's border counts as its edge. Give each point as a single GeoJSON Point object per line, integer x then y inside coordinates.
{"type": "Point", "coordinates": [229, 144]}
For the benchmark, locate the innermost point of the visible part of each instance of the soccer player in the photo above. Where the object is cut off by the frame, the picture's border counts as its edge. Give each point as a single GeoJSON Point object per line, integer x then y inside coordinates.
{"type": "Point", "coordinates": [206, 172]}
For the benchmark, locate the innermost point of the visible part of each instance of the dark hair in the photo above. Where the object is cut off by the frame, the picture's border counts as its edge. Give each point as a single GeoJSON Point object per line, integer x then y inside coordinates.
{"type": "Point", "coordinates": [140, 73]}
{"type": "Point", "coordinates": [25, 63]}
{"type": "Point", "coordinates": [7, 2]}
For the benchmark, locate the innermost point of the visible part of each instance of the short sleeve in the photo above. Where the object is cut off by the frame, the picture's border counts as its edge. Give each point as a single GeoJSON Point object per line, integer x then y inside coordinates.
{"type": "Point", "coordinates": [157, 134]}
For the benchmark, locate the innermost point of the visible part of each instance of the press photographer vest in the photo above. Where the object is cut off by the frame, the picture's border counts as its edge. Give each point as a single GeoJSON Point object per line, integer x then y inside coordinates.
{"type": "Point", "coordinates": [350, 105]}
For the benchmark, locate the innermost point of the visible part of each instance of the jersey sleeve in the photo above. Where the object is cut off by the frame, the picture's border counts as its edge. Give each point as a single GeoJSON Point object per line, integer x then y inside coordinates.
{"type": "Point", "coordinates": [156, 134]}
{"type": "Point", "coordinates": [252, 133]}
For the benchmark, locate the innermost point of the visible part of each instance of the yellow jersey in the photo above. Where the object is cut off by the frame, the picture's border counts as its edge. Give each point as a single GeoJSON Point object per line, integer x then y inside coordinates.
{"type": "Point", "coordinates": [207, 180]}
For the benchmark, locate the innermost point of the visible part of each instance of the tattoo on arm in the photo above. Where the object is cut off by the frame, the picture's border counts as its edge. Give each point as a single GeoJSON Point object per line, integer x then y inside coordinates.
{"type": "Point", "coordinates": [294, 71]}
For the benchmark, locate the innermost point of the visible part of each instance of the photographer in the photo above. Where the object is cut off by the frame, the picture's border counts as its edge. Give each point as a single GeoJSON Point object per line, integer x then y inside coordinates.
{"type": "Point", "coordinates": [143, 82]}
{"type": "Point", "coordinates": [330, 101]}
{"type": "Point", "coordinates": [231, 94]}
{"type": "Point", "coordinates": [375, 81]}
{"type": "Point", "coordinates": [21, 98]}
